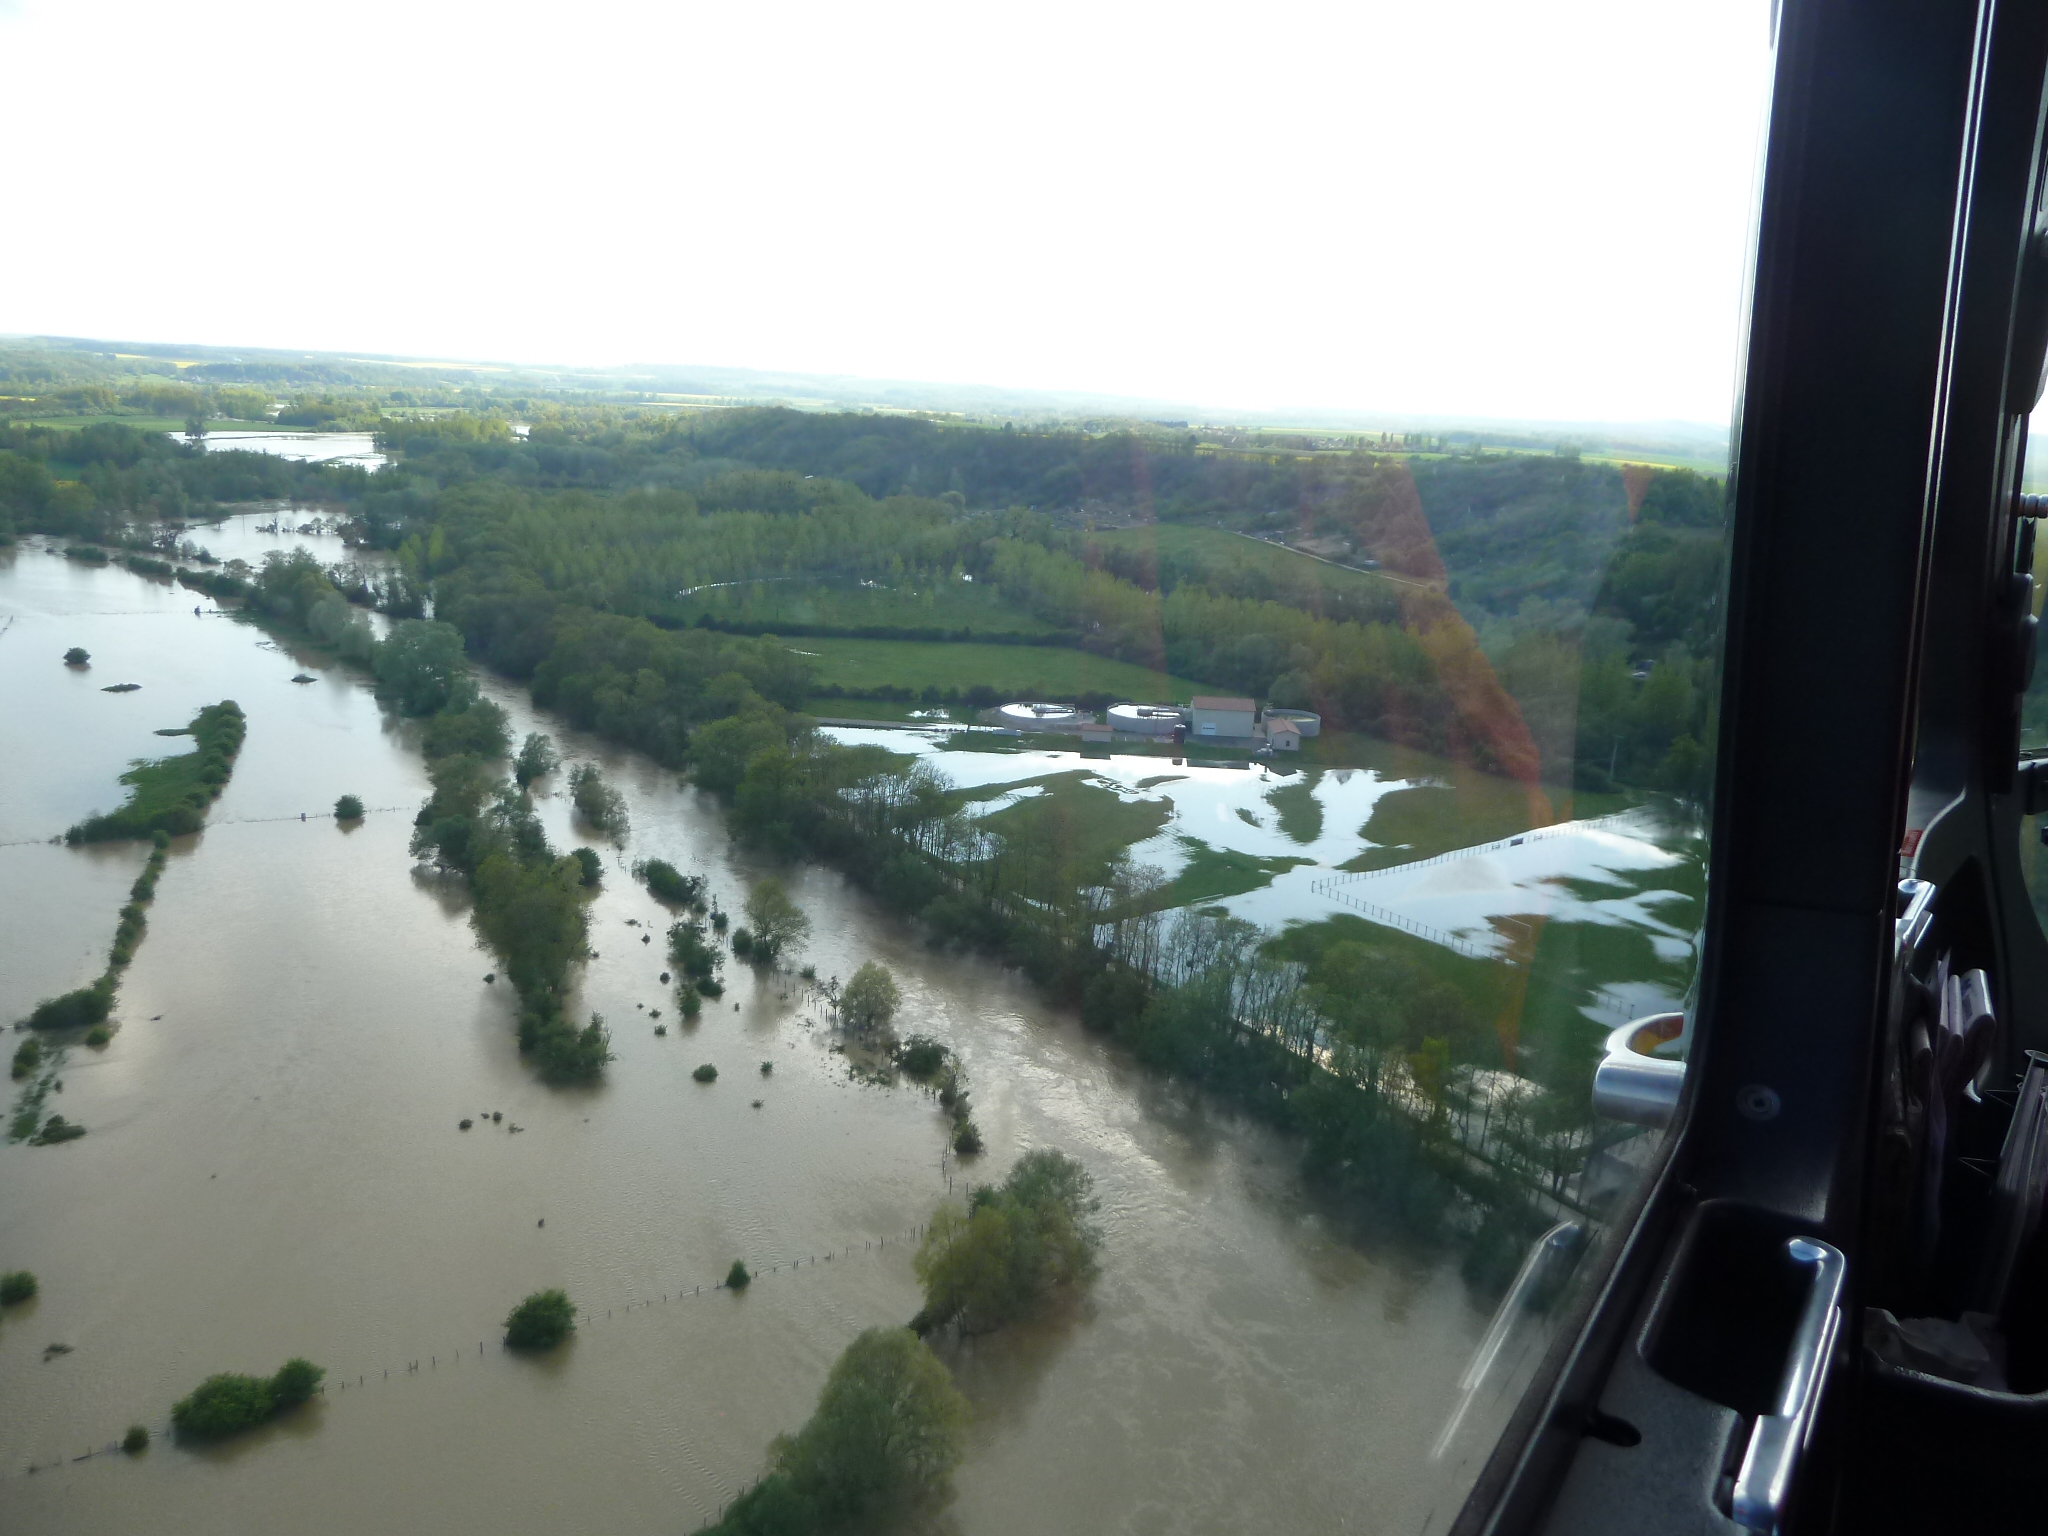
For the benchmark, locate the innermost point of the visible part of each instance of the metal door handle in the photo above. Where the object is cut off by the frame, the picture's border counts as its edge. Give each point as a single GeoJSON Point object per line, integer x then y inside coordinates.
{"type": "Point", "coordinates": [1632, 1085]}
{"type": "Point", "coordinates": [1763, 1485]}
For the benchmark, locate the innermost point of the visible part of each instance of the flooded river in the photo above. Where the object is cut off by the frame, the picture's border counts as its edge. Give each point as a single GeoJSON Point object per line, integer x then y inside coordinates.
{"type": "Point", "coordinates": [274, 1168]}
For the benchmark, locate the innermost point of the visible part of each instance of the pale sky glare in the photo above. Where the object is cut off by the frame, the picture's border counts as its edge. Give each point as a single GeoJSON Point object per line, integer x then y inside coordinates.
{"type": "Point", "coordinates": [1464, 207]}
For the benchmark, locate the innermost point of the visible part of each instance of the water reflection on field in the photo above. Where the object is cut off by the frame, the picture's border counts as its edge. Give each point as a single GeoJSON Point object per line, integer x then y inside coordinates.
{"type": "Point", "coordinates": [273, 1168]}
{"type": "Point", "coordinates": [313, 447]}
{"type": "Point", "coordinates": [1637, 871]}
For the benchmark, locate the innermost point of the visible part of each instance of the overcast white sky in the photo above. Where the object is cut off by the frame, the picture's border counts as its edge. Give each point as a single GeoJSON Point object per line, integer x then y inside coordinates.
{"type": "Point", "coordinates": [1458, 206]}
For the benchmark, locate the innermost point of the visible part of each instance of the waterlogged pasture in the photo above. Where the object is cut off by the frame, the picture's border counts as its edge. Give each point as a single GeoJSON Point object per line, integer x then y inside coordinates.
{"type": "Point", "coordinates": [273, 1166]}
{"type": "Point", "coordinates": [1299, 848]}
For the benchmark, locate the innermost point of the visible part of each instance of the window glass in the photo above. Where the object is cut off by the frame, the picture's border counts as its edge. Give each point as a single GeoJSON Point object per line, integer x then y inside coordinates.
{"type": "Point", "coordinates": [1089, 757]}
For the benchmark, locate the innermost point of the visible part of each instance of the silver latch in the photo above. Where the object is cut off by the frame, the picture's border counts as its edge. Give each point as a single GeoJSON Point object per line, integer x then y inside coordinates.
{"type": "Point", "coordinates": [1632, 1085]}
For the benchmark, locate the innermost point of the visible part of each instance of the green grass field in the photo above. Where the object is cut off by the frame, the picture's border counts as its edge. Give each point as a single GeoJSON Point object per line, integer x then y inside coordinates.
{"type": "Point", "coordinates": [1220, 546]}
{"type": "Point", "coordinates": [1213, 873]}
{"type": "Point", "coordinates": [1015, 671]}
{"type": "Point", "coordinates": [952, 607]}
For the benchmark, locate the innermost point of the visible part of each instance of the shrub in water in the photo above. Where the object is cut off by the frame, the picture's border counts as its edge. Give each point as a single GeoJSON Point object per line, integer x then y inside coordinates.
{"type": "Point", "coordinates": [737, 1278]}
{"type": "Point", "coordinates": [77, 656]}
{"type": "Point", "coordinates": [230, 1403]}
{"type": "Point", "coordinates": [16, 1286]}
{"type": "Point", "coordinates": [589, 865]}
{"type": "Point", "coordinates": [767, 1067]}
{"type": "Point", "coordinates": [968, 1140]}
{"type": "Point", "coordinates": [295, 1381]}
{"type": "Point", "coordinates": [57, 1129]}
{"type": "Point", "coordinates": [920, 1056]}
{"type": "Point", "coordinates": [88, 1005]}
{"type": "Point", "coordinates": [348, 808]}
{"type": "Point", "coordinates": [27, 1057]}
{"type": "Point", "coordinates": [667, 883]}
{"type": "Point", "coordinates": [541, 1321]}
{"type": "Point", "coordinates": [98, 1035]}
{"type": "Point", "coordinates": [136, 1441]}
{"type": "Point", "coordinates": [742, 943]}
{"type": "Point", "coordinates": [706, 1073]}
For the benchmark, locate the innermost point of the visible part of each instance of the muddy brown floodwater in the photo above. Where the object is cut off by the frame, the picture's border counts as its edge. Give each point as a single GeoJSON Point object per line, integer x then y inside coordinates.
{"type": "Point", "coordinates": [274, 1168]}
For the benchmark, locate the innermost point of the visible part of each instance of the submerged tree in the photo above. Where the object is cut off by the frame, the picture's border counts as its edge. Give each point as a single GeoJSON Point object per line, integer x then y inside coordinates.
{"type": "Point", "coordinates": [537, 758]}
{"type": "Point", "coordinates": [541, 1321]}
{"type": "Point", "coordinates": [888, 1431]}
{"type": "Point", "coordinates": [776, 922]}
{"type": "Point", "coordinates": [870, 1000]}
{"type": "Point", "coordinates": [1010, 1247]}
{"type": "Point", "coordinates": [600, 805]}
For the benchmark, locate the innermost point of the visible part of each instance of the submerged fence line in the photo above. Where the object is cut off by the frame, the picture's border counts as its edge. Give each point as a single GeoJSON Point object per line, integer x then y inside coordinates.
{"type": "Point", "coordinates": [338, 1384]}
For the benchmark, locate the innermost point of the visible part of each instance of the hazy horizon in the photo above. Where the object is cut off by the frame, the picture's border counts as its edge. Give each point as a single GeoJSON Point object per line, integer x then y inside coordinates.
{"type": "Point", "coordinates": [1468, 211]}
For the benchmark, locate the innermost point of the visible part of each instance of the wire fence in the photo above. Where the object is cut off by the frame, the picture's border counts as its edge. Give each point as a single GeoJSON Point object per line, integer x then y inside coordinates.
{"type": "Point", "coordinates": [339, 1384]}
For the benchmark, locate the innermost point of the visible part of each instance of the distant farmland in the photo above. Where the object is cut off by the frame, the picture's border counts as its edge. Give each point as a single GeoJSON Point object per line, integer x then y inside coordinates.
{"type": "Point", "coordinates": [1015, 671]}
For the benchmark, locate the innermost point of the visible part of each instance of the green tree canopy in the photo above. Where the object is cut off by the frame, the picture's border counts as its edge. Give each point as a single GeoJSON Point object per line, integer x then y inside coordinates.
{"type": "Point", "coordinates": [541, 1321]}
{"type": "Point", "coordinates": [777, 922]}
{"type": "Point", "coordinates": [870, 999]}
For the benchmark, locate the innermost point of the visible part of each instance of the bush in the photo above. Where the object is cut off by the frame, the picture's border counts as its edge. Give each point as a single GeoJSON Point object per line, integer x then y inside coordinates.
{"type": "Point", "coordinates": [222, 1405]}
{"type": "Point", "coordinates": [777, 922]}
{"type": "Point", "coordinates": [967, 1138]}
{"type": "Point", "coordinates": [98, 1036]}
{"type": "Point", "coordinates": [564, 1053]}
{"type": "Point", "coordinates": [603, 807]}
{"type": "Point", "coordinates": [27, 1057]}
{"type": "Point", "coordinates": [1113, 998]}
{"type": "Point", "coordinates": [1012, 1245]}
{"type": "Point", "coordinates": [73, 1010]}
{"type": "Point", "coordinates": [667, 883]}
{"type": "Point", "coordinates": [742, 942]}
{"type": "Point", "coordinates": [767, 1067]}
{"type": "Point", "coordinates": [77, 656]}
{"type": "Point", "coordinates": [57, 1129]}
{"type": "Point", "coordinates": [870, 1000]}
{"type": "Point", "coordinates": [537, 758]}
{"type": "Point", "coordinates": [737, 1278]}
{"type": "Point", "coordinates": [16, 1286]}
{"type": "Point", "coordinates": [590, 866]}
{"type": "Point", "coordinates": [706, 1073]}
{"type": "Point", "coordinates": [541, 1321]}
{"type": "Point", "coordinates": [348, 808]}
{"type": "Point", "coordinates": [295, 1381]}
{"type": "Point", "coordinates": [136, 1441]}
{"type": "Point", "coordinates": [229, 1404]}
{"type": "Point", "coordinates": [921, 1056]}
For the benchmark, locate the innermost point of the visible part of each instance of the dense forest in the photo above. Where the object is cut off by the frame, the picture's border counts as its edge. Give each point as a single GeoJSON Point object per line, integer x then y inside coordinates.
{"type": "Point", "coordinates": [1553, 619]}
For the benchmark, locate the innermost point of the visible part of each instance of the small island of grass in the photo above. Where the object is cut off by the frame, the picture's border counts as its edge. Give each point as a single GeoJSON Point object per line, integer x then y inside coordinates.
{"type": "Point", "coordinates": [171, 794]}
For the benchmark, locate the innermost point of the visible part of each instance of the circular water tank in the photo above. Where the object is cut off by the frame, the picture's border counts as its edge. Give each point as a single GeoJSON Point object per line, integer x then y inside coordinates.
{"type": "Point", "coordinates": [1307, 721]}
{"type": "Point", "coordinates": [1145, 719]}
{"type": "Point", "coordinates": [1041, 717]}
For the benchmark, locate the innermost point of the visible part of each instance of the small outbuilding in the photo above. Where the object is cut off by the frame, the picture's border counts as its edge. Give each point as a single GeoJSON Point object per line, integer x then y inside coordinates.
{"type": "Point", "coordinates": [1212, 716]}
{"type": "Point", "coordinates": [1283, 734]}
{"type": "Point", "coordinates": [1307, 721]}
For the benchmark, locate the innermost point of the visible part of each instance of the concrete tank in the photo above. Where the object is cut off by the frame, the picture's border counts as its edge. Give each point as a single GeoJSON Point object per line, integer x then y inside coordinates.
{"type": "Point", "coordinates": [1041, 717]}
{"type": "Point", "coordinates": [1145, 719]}
{"type": "Point", "coordinates": [1307, 721]}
